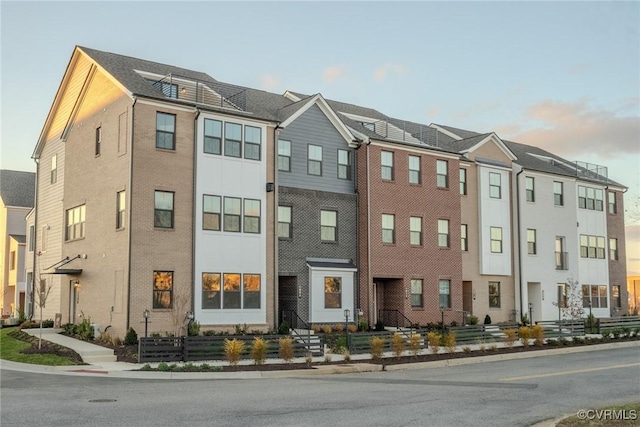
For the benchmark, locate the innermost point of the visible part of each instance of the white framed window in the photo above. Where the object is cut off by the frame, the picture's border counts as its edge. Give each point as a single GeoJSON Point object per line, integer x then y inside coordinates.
{"type": "Point", "coordinates": [314, 160]}
{"type": "Point", "coordinates": [232, 214]}
{"type": "Point", "coordinates": [414, 170]}
{"type": "Point", "coordinates": [284, 222]}
{"type": "Point", "coordinates": [252, 142]}
{"type": "Point", "coordinates": [251, 216]}
{"type": "Point", "coordinates": [494, 294]}
{"type": "Point", "coordinates": [443, 233]}
{"type": "Point", "coordinates": [442, 173]}
{"type": "Point", "coordinates": [98, 140]}
{"type": "Point", "coordinates": [251, 286]}
{"type": "Point", "coordinates": [463, 182]}
{"type": "Point", "coordinates": [530, 188]}
{"type": "Point", "coordinates": [333, 292]}
{"type": "Point", "coordinates": [163, 212]}
{"type": "Point", "coordinates": [328, 226]}
{"type": "Point", "coordinates": [232, 139]}
{"type": "Point", "coordinates": [388, 228]}
{"type": "Point", "coordinates": [613, 205]}
{"type": "Point", "coordinates": [613, 249]}
{"type": "Point", "coordinates": [495, 185]}
{"type": "Point", "coordinates": [211, 291]}
{"type": "Point", "coordinates": [386, 161]}
{"type": "Point", "coordinates": [231, 291]}
{"type": "Point", "coordinates": [165, 131]}
{"type": "Point", "coordinates": [121, 205]}
{"type": "Point", "coordinates": [445, 293]}
{"type": "Point", "coordinates": [415, 227]}
{"type": "Point", "coordinates": [211, 211]}
{"type": "Point", "coordinates": [596, 295]}
{"type": "Point", "coordinates": [531, 242]}
{"type": "Point", "coordinates": [496, 239]}
{"type": "Point", "coordinates": [464, 237]}
{"type": "Point", "coordinates": [54, 169]}
{"type": "Point", "coordinates": [75, 223]}
{"type": "Point", "coordinates": [284, 155]}
{"type": "Point", "coordinates": [344, 164]}
{"type": "Point", "coordinates": [416, 292]}
{"type": "Point", "coordinates": [558, 193]}
{"type": "Point", "coordinates": [212, 136]}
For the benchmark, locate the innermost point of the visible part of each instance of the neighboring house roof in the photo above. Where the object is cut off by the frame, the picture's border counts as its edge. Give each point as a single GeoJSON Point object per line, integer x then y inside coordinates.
{"type": "Point", "coordinates": [17, 188]}
{"type": "Point", "coordinates": [20, 238]}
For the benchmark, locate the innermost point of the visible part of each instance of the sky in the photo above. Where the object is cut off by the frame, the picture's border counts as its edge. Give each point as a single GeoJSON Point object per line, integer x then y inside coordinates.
{"type": "Point", "coordinates": [564, 76]}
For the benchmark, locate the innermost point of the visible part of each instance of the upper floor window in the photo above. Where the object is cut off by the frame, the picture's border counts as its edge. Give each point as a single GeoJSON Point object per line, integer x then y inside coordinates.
{"type": "Point", "coordinates": [212, 136]}
{"type": "Point", "coordinates": [162, 289]}
{"type": "Point", "coordinates": [600, 248]}
{"type": "Point", "coordinates": [211, 212]}
{"type": "Point", "coordinates": [590, 198]}
{"type": "Point", "coordinates": [561, 255]}
{"type": "Point", "coordinates": [232, 139]}
{"type": "Point", "coordinates": [284, 155]}
{"type": "Point", "coordinates": [443, 233]}
{"type": "Point", "coordinates": [54, 169]}
{"type": "Point", "coordinates": [494, 294]}
{"type": "Point", "coordinates": [166, 131]}
{"type": "Point", "coordinates": [12, 260]}
{"type": "Point", "coordinates": [464, 237]}
{"type": "Point", "coordinates": [75, 223]}
{"type": "Point", "coordinates": [232, 213]}
{"type": "Point", "coordinates": [496, 240]}
{"type": "Point", "coordinates": [463, 182]}
{"type": "Point", "coordinates": [32, 237]}
{"type": "Point", "coordinates": [416, 292]}
{"type": "Point", "coordinates": [163, 212]}
{"type": "Point", "coordinates": [314, 160]}
{"type": "Point", "coordinates": [121, 204]}
{"type": "Point", "coordinates": [445, 293]}
{"type": "Point", "coordinates": [495, 185]}
{"type": "Point", "coordinates": [328, 226]}
{"type": "Point", "coordinates": [613, 249]}
{"type": "Point", "coordinates": [284, 222]}
{"type": "Point", "coordinates": [592, 246]}
{"type": "Point", "coordinates": [531, 242]}
{"type": "Point", "coordinates": [170, 90]}
{"type": "Point", "coordinates": [414, 170]}
{"type": "Point", "coordinates": [415, 226]}
{"type": "Point", "coordinates": [344, 164]}
{"type": "Point", "coordinates": [386, 161]}
{"type": "Point", "coordinates": [388, 228]}
{"type": "Point", "coordinates": [558, 193]}
{"type": "Point", "coordinates": [442, 174]}
{"type": "Point", "coordinates": [251, 216]}
{"type": "Point", "coordinates": [599, 196]}
{"type": "Point", "coordinates": [252, 142]}
{"type": "Point", "coordinates": [98, 139]}
{"type": "Point", "coordinates": [613, 206]}
{"type": "Point", "coordinates": [530, 189]}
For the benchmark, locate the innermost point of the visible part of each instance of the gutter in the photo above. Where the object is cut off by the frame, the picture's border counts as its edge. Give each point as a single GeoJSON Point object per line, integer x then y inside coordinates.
{"type": "Point", "coordinates": [35, 247]}
{"type": "Point", "coordinates": [369, 278]}
{"type": "Point", "coordinates": [276, 280]}
{"type": "Point", "coordinates": [193, 212]}
{"type": "Point", "coordinates": [129, 216]}
{"type": "Point", "coordinates": [519, 248]}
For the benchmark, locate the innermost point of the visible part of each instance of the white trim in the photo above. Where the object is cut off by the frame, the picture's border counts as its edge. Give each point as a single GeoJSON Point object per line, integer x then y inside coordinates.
{"type": "Point", "coordinates": [497, 141]}
{"type": "Point", "coordinates": [423, 149]}
{"type": "Point", "coordinates": [289, 95]}
{"type": "Point", "coordinates": [167, 104]}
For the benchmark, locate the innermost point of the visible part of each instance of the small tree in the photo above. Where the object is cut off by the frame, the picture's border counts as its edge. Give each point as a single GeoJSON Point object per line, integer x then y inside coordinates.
{"type": "Point", "coordinates": [181, 302]}
{"type": "Point", "coordinates": [41, 300]}
{"type": "Point", "coordinates": [570, 303]}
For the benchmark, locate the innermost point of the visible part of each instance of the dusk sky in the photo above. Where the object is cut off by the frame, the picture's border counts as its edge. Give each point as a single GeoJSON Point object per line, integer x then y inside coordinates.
{"type": "Point", "coordinates": [564, 76]}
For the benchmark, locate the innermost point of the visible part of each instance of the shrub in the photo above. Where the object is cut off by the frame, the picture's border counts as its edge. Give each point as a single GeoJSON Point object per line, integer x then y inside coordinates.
{"type": "Point", "coordinates": [449, 342]}
{"type": "Point", "coordinates": [473, 320]}
{"type": "Point", "coordinates": [259, 350]}
{"type": "Point", "coordinates": [415, 343]}
{"type": "Point", "coordinates": [163, 367]}
{"type": "Point", "coordinates": [493, 346]}
{"type": "Point", "coordinates": [339, 327]}
{"type": "Point", "coordinates": [487, 320]}
{"type": "Point", "coordinates": [241, 329]}
{"type": "Point", "coordinates": [453, 324]}
{"type": "Point", "coordinates": [233, 350]}
{"type": "Point", "coordinates": [563, 341]}
{"type": "Point", "coordinates": [379, 325]}
{"type": "Point", "coordinates": [510, 337]}
{"type": "Point", "coordinates": [397, 344]}
{"type": "Point", "coordinates": [283, 329]}
{"type": "Point", "coordinates": [327, 357]}
{"type": "Point", "coordinates": [117, 341]}
{"type": "Point", "coordinates": [377, 347]}
{"type": "Point", "coordinates": [286, 349]}
{"type": "Point", "coordinates": [347, 356]}
{"type": "Point", "coordinates": [69, 328]}
{"type": "Point", "coordinates": [352, 328]}
{"type": "Point", "coordinates": [616, 333]}
{"type": "Point", "coordinates": [590, 324]}
{"type": "Point", "coordinates": [327, 329]}
{"type": "Point", "coordinates": [524, 319]}
{"type": "Point", "coordinates": [482, 346]}
{"type": "Point", "coordinates": [84, 330]}
{"type": "Point", "coordinates": [193, 329]}
{"type": "Point", "coordinates": [363, 324]}
{"type": "Point", "coordinates": [316, 329]}
{"type": "Point", "coordinates": [131, 338]}
{"type": "Point", "coordinates": [466, 349]}
{"type": "Point", "coordinates": [626, 331]}
{"type": "Point", "coordinates": [525, 333]}
{"type": "Point", "coordinates": [537, 333]}
{"type": "Point", "coordinates": [434, 341]}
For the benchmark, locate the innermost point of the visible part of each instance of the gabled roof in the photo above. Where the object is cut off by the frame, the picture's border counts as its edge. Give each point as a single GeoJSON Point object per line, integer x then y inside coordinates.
{"type": "Point", "coordinates": [19, 238]}
{"type": "Point", "coordinates": [17, 188]}
{"type": "Point", "coordinates": [468, 145]}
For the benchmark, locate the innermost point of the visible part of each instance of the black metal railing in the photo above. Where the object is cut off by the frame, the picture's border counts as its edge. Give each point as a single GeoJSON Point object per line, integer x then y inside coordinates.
{"type": "Point", "coordinates": [216, 94]}
{"type": "Point", "coordinates": [394, 318]}
{"type": "Point", "coordinates": [562, 261]}
{"type": "Point", "coordinates": [294, 320]}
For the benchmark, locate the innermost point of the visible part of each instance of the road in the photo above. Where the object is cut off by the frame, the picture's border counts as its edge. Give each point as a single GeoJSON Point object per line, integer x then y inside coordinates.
{"type": "Point", "coordinates": [506, 393]}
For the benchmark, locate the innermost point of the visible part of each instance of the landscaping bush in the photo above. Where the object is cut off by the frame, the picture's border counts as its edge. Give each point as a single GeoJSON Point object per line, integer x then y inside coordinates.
{"type": "Point", "coordinates": [233, 350]}
{"type": "Point", "coordinates": [473, 320]}
{"type": "Point", "coordinates": [377, 347]}
{"type": "Point", "coordinates": [352, 328]}
{"type": "Point", "coordinates": [434, 341]}
{"type": "Point", "coordinates": [510, 337]}
{"type": "Point", "coordinates": [379, 325]}
{"type": "Point", "coordinates": [283, 329]}
{"type": "Point", "coordinates": [449, 342]}
{"type": "Point", "coordinates": [397, 344]}
{"type": "Point", "coordinates": [524, 332]}
{"type": "Point", "coordinates": [286, 349]}
{"type": "Point", "coordinates": [537, 333]}
{"type": "Point", "coordinates": [131, 338]}
{"type": "Point", "coordinates": [415, 343]}
{"type": "Point", "coordinates": [363, 324]}
{"type": "Point", "coordinates": [259, 350]}
{"type": "Point", "coordinates": [487, 320]}
{"type": "Point", "coordinates": [194, 329]}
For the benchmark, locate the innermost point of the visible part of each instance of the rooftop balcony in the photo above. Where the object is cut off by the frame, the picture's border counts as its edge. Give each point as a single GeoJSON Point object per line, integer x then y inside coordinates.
{"type": "Point", "coordinates": [208, 93]}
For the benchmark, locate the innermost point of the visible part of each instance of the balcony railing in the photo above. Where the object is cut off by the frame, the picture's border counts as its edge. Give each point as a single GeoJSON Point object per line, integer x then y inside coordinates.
{"type": "Point", "coordinates": [208, 93]}
{"type": "Point", "coordinates": [398, 130]}
{"type": "Point", "coordinates": [562, 261]}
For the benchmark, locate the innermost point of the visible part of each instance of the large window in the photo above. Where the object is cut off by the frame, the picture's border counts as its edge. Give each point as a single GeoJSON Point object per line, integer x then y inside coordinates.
{"type": "Point", "coordinates": [54, 169]}
{"type": "Point", "coordinates": [445, 293]}
{"type": "Point", "coordinates": [386, 160]}
{"type": "Point", "coordinates": [463, 182]}
{"type": "Point", "coordinates": [284, 222]}
{"type": "Point", "coordinates": [163, 213]}
{"type": "Point", "coordinates": [415, 226]}
{"type": "Point", "coordinates": [442, 174]}
{"type": "Point", "coordinates": [443, 233]}
{"type": "Point", "coordinates": [332, 292]}
{"type": "Point", "coordinates": [496, 240]}
{"type": "Point", "coordinates": [251, 216]}
{"type": "Point", "coordinates": [166, 131]}
{"type": "Point", "coordinates": [232, 213]}
{"type": "Point", "coordinates": [530, 187]}
{"type": "Point", "coordinates": [613, 249]}
{"type": "Point", "coordinates": [531, 242]}
{"type": "Point", "coordinates": [328, 226]}
{"type": "Point", "coordinates": [416, 292]}
{"type": "Point", "coordinates": [388, 228]}
{"type": "Point", "coordinates": [231, 290]}
{"type": "Point", "coordinates": [615, 296]}
{"type": "Point", "coordinates": [464, 237]}
{"type": "Point", "coordinates": [590, 198]}
{"type": "Point", "coordinates": [252, 142]}
{"type": "Point", "coordinates": [251, 291]}
{"type": "Point", "coordinates": [212, 136]}
{"type": "Point", "coordinates": [558, 193]}
{"type": "Point", "coordinates": [284, 155]}
{"type": "Point", "coordinates": [121, 205]}
{"type": "Point", "coordinates": [592, 246]}
{"type": "Point", "coordinates": [314, 160]}
{"type": "Point", "coordinates": [75, 223]}
{"type": "Point", "coordinates": [232, 139]}
{"type": "Point", "coordinates": [495, 185]}
{"type": "Point", "coordinates": [613, 206]}
{"type": "Point", "coordinates": [211, 295]}
{"type": "Point", "coordinates": [230, 295]}
{"type": "Point", "coordinates": [596, 295]}
{"type": "Point", "coordinates": [211, 211]}
{"type": "Point", "coordinates": [344, 164]}
{"type": "Point", "coordinates": [414, 170]}
{"type": "Point", "coordinates": [162, 289]}
{"type": "Point", "coordinates": [494, 294]}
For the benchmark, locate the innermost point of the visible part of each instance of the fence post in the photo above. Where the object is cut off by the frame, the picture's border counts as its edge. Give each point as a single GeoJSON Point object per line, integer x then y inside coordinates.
{"type": "Point", "coordinates": [183, 344]}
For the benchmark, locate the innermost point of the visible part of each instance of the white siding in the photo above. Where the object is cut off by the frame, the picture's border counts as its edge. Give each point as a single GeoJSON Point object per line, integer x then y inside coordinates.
{"type": "Point", "coordinates": [494, 212]}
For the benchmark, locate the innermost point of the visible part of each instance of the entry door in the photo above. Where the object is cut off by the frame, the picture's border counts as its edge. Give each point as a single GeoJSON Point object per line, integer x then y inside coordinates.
{"type": "Point", "coordinates": [467, 297]}
{"type": "Point", "coordinates": [73, 298]}
{"type": "Point", "coordinates": [374, 319]}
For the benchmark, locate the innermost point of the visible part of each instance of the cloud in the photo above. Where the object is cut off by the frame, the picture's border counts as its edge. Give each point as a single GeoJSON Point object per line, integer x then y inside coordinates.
{"type": "Point", "coordinates": [268, 82]}
{"type": "Point", "coordinates": [333, 73]}
{"type": "Point", "coordinates": [380, 74]}
{"type": "Point", "coordinates": [475, 110]}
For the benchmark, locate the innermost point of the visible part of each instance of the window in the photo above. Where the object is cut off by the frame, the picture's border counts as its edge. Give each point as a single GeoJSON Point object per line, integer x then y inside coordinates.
{"type": "Point", "coordinates": [386, 160]}
{"type": "Point", "coordinates": [593, 250]}
{"type": "Point", "coordinates": [388, 228]}
{"type": "Point", "coordinates": [75, 223]}
{"type": "Point", "coordinates": [415, 227]}
{"type": "Point", "coordinates": [463, 182]}
{"type": "Point", "coordinates": [284, 155]}
{"type": "Point", "coordinates": [251, 291]}
{"type": "Point", "coordinates": [211, 291]}
{"type": "Point", "coordinates": [210, 212]}
{"type": "Point", "coordinates": [212, 136]}
{"type": "Point", "coordinates": [561, 255]}
{"type": "Point", "coordinates": [333, 292]}
{"type": "Point", "coordinates": [252, 141]}
{"type": "Point", "coordinates": [232, 139]}
{"type": "Point", "coordinates": [54, 169]}
{"type": "Point", "coordinates": [121, 205]}
{"type": "Point", "coordinates": [531, 242]}
{"type": "Point", "coordinates": [166, 131]}
{"type": "Point", "coordinates": [582, 197]}
{"type": "Point", "coordinates": [12, 260]}
{"type": "Point", "coordinates": [495, 186]}
{"type": "Point", "coordinates": [445, 293]}
{"type": "Point", "coordinates": [328, 226]}
{"type": "Point", "coordinates": [414, 170]}
{"type": "Point", "coordinates": [591, 198]}
{"type": "Point", "coordinates": [98, 139]}
{"type": "Point", "coordinates": [464, 237]}
{"type": "Point", "coordinates": [163, 289]}
{"type": "Point", "coordinates": [496, 240]}
{"type": "Point", "coordinates": [600, 249]}
{"type": "Point", "coordinates": [592, 246]}
{"type": "Point", "coordinates": [530, 189]}
{"type": "Point", "coordinates": [416, 292]}
{"type": "Point", "coordinates": [558, 193]}
{"type": "Point", "coordinates": [596, 295]}
{"type": "Point", "coordinates": [443, 233]}
{"type": "Point", "coordinates": [232, 211]}
{"type": "Point", "coordinates": [599, 199]}
{"type": "Point", "coordinates": [615, 296]}
{"type": "Point", "coordinates": [613, 206]}
{"type": "Point", "coordinates": [251, 216]}
{"type": "Point", "coordinates": [170, 90]}
{"type": "Point", "coordinates": [231, 290]}
{"type": "Point", "coordinates": [284, 222]}
{"type": "Point", "coordinates": [562, 295]}
{"type": "Point", "coordinates": [32, 237]}
{"type": "Point", "coordinates": [344, 164]}
{"type": "Point", "coordinates": [584, 246]}
{"type": "Point", "coordinates": [613, 249]}
{"type": "Point", "coordinates": [442, 174]}
{"type": "Point", "coordinates": [163, 214]}
{"type": "Point", "coordinates": [314, 160]}
{"type": "Point", "coordinates": [494, 294]}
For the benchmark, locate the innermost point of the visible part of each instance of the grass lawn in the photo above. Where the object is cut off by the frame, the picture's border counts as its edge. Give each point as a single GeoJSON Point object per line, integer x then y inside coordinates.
{"type": "Point", "coordinates": [609, 416]}
{"type": "Point", "coordinates": [10, 349]}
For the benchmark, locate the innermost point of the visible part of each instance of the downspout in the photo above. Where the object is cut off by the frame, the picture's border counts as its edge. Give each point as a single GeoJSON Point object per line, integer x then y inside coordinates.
{"type": "Point", "coordinates": [276, 280]}
{"type": "Point", "coordinates": [129, 215]}
{"type": "Point", "coordinates": [193, 212]}
{"type": "Point", "coordinates": [519, 248]}
{"type": "Point", "coordinates": [35, 241]}
{"type": "Point", "coordinates": [369, 278]}
{"type": "Point", "coordinates": [356, 284]}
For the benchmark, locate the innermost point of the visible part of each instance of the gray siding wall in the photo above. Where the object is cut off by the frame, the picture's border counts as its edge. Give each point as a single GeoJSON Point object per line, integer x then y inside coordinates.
{"type": "Point", "coordinates": [313, 127]}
